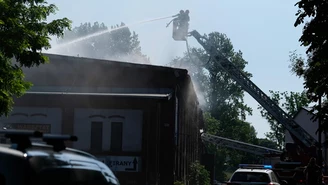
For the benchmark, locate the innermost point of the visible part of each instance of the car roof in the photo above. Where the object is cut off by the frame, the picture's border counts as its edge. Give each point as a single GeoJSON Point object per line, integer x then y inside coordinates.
{"type": "Point", "coordinates": [5, 149]}
{"type": "Point", "coordinates": [49, 149]}
{"type": "Point", "coordinates": [253, 170]}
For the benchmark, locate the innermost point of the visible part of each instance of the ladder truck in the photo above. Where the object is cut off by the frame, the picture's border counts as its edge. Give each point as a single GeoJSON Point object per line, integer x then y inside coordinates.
{"type": "Point", "coordinates": [304, 146]}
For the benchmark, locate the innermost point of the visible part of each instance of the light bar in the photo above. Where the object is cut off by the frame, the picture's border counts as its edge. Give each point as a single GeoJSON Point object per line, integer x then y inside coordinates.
{"type": "Point", "coordinates": [255, 166]}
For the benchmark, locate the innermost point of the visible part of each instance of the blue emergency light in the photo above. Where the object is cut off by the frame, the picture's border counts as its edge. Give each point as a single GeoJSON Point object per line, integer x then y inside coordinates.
{"type": "Point", "coordinates": [255, 166]}
{"type": "Point", "coordinates": [267, 166]}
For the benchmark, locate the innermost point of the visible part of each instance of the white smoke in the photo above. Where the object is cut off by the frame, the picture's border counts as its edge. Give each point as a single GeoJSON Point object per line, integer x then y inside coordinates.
{"type": "Point", "coordinates": [131, 58]}
{"type": "Point", "coordinates": [89, 51]}
{"type": "Point", "coordinates": [200, 95]}
{"type": "Point", "coordinates": [193, 64]}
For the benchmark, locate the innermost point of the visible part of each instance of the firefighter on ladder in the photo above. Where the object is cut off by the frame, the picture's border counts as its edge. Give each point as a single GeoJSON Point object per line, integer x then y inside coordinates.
{"type": "Point", "coordinates": [180, 25]}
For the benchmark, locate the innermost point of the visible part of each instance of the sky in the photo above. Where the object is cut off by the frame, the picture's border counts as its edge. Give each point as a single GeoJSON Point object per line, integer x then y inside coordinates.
{"type": "Point", "coordinates": [262, 30]}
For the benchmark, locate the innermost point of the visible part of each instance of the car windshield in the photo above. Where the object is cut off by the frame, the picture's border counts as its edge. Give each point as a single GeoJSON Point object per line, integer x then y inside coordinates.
{"type": "Point", "coordinates": [250, 177]}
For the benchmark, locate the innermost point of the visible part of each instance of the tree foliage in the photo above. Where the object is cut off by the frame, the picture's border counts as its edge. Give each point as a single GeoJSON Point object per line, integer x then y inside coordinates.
{"type": "Point", "coordinates": [178, 183]}
{"type": "Point", "coordinates": [267, 143]}
{"type": "Point", "coordinates": [290, 102]}
{"type": "Point", "coordinates": [198, 175]}
{"type": "Point", "coordinates": [238, 130]}
{"type": "Point", "coordinates": [223, 99]}
{"type": "Point", "coordinates": [314, 70]}
{"type": "Point", "coordinates": [116, 43]}
{"type": "Point", "coordinates": [24, 33]}
{"type": "Point", "coordinates": [222, 95]}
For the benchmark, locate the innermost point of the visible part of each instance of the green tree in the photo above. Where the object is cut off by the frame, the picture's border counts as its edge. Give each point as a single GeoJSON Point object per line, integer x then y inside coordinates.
{"type": "Point", "coordinates": [267, 143]}
{"type": "Point", "coordinates": [224, 98]}
{"type": "Point", "coordinates": [24, 33]}
{"type": "Point", "coordinates": [290, 102]}
{"type": "Point", "coordinates": [213, 127]}
{"type": "Point", "coordinates": [314, 70]}
{"type": "Point", "coordinates": [199, 175]}
{"type": "Point", "coordinates": [117, 43]}
{"type": "Point", "coordinates": [223, 162]}
{"type": "Point", "coordinates": [225, 107]}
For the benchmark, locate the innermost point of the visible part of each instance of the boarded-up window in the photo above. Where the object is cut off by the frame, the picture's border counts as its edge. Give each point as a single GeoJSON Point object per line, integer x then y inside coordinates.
{"type": "Point", "coordinates": [96, 136]}
{"type": "Point", "coordinates": [116, 136]}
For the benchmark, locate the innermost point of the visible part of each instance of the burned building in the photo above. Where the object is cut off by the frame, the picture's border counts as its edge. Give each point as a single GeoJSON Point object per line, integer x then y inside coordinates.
{"type": "Point", "coordinates": [143, 121]}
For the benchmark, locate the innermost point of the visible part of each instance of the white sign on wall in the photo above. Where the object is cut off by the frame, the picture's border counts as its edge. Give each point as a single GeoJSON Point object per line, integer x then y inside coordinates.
{"type": "Point", "coordinates": [122, 163]}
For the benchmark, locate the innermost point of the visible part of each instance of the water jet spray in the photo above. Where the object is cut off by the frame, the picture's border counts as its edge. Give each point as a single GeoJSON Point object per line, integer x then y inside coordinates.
{"type": "Point", "coordinates": [105, 31]}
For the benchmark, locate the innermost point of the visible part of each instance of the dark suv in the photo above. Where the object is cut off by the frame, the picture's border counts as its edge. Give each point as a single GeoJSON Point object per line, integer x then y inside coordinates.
{"type": "Point", "coordinates": [23, 162]}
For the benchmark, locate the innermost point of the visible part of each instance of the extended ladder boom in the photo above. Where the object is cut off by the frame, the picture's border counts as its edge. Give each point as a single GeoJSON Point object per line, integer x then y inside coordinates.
{"type": "Point", "coordinates": [280, 115]}
{"type": "Point", "coordinates": [238, 145]}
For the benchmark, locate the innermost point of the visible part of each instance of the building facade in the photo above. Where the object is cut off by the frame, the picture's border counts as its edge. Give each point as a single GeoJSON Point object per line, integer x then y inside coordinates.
{"type": "Point", "coordinates": [143, 121]}
{"type": "Point", "coordinates": [306, 119]}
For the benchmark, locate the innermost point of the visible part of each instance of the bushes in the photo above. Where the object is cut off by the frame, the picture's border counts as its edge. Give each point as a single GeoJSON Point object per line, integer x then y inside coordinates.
{"type": "Point", "coordinates": [178, 183]}
{"type": "Point", "coordinates": [198, 175]}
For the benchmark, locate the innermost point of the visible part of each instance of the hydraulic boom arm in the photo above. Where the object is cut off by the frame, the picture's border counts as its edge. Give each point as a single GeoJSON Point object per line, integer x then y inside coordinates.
{"type": "Point", "coordinates": [238, 145]}
{"type": "Point", "coordinates": [280, 115]}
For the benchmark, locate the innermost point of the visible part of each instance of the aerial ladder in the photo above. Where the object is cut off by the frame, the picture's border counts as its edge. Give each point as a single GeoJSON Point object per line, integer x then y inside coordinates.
{"type": "Point", "coordinates": [265, 101]}
{"type": "Point", "coordinates": [298, 154]}
{"type": "Point", "coordinates": [238, 145]}
{"type": "Point", "coordinates": [305, 143]}
{"type": "Point", "coordinates": [300, 136]}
